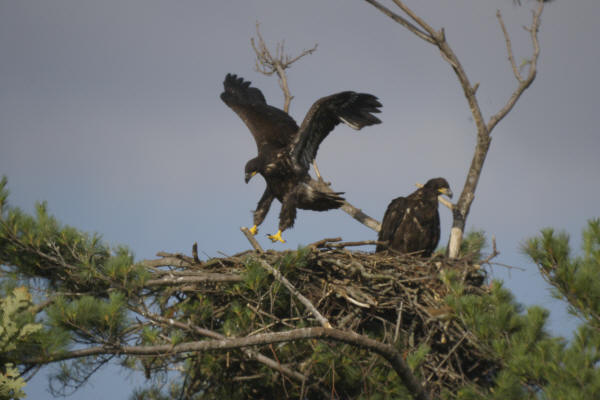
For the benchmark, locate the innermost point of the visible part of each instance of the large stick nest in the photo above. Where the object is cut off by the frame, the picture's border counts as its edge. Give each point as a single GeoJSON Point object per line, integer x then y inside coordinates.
{"type": "Point", "coordinates": [397, 299]}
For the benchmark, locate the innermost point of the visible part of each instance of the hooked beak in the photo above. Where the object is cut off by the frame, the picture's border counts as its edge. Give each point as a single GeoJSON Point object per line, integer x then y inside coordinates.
{"type": "Point", "coordinates": [249, 176]}
{"type": "Point", "coordinates": [446, 191]}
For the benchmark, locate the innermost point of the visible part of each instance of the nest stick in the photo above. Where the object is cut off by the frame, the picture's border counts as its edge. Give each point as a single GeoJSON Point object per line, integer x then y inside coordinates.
{"type": "Point", "coordinates": [322, 320]}
{"type": "Point", "coordinates": [251, 239]}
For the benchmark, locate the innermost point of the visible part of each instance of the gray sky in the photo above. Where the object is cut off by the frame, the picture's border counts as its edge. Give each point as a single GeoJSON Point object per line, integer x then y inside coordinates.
{"type": "Point", "coordinates": [110, 111]}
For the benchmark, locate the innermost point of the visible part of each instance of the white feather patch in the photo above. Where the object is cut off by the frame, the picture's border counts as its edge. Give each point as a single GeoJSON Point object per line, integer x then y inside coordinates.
{"type": "Point", "coordinates": [351, 125]}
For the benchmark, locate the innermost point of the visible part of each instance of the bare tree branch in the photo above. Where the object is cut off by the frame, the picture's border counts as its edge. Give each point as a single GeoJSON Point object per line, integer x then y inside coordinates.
{"type": "Point", "coordinates": [417, 19]}
{"type": "Point", "coordinates": [386, 351]}
{"type": "Point", "coordinates": [361, 217]}
{"type": "Point", "coordinates": [268, 65]}
{"type": "Point", "coordinates": [402, 21]}
{"type": "Point", "coordinates": [438, 38]}
{"type": "Point", "coordinates": [511, 57]}
{"type": "Point", "coordinates": [523, 84]}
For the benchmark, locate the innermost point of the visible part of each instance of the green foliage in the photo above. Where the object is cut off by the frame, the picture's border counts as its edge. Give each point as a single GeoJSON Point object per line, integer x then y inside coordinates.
{"type": "Point", "coordinates": [39, 246]}
{"type": "Point", "coordinates": [574, 371]}
{"type": "Point", "coordinates": [473, 244]}
{"type": "Point", "coordinates": [95, 319]}
{"type": "Point", "coordinates": [87, 291]}
{"type": "Point", "coordinates": [575, 279]}
{"type": "Point", "coordinates": [535, 365]}
{"type": "Point", "coordinates": [16, 327]}
{"type": "Point", "coordinates": [416, 357]}
{"type": "Point", "coordinates": [255, 277]}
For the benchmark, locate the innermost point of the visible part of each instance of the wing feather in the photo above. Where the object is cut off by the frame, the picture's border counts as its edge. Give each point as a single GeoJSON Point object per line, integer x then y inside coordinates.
{"type": "Point", "coordinates": [391, 220]}
{"type": "Point", "coordinates": [354, 109]}
{"type": "Point", "coordinates": [270, 126]}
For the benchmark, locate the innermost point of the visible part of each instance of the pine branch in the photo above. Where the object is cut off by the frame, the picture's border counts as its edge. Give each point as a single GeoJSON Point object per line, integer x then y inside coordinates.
{"type": "Point", "coordinates": [386, 351]}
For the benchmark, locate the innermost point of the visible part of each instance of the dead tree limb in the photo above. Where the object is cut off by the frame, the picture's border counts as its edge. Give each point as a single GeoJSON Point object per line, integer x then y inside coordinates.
{"type": "Point", "coordinates": [421, 29]}
{"type": "Point", "coordinates": [268, 64]}
{"type": "Point", "coordinates": [386, 351]}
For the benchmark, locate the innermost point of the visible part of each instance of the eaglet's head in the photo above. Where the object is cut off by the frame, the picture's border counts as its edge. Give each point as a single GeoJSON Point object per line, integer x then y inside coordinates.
{"type": "Point", "coordinates": [252, 168]}
{"type": "Point", "coordinates": [439, 185]}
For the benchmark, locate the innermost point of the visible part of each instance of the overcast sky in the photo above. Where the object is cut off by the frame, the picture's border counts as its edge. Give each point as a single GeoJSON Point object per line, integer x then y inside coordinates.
{"type": "Point", "coordinates": [110, 111]}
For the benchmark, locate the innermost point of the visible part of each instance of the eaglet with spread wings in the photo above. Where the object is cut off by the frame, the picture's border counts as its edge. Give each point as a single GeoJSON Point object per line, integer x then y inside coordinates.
{"type": "Point", "coordinates": [286, 151]}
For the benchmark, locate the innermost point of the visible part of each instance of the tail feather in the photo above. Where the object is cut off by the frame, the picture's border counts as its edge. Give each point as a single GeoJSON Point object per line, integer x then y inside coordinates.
{"type": "Point", "coordinates": [310, 198]}
{"type": "Point", "coordinates": [327, 201]}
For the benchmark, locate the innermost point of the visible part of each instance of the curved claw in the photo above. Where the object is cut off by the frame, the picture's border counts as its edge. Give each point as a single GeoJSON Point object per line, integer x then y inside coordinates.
{"type": "Point", "coordinates": [253, 230]}
{"type": "Point", "coordinates": [276, 237]}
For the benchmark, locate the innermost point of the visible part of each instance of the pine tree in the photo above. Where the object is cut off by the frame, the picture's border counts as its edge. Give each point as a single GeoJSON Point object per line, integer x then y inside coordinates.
{"type": "Point", "coordinates": [319, 322]}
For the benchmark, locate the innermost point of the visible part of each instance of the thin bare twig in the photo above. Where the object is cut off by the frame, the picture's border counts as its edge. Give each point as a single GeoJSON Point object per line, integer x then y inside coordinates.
{"type": "Point", "coordinates": [511, 57]}
{"type": "Point", "coordinates": [268, 65]}
{"type": "Point", "coordinates": [321, 242]}
{"type": "Point", "coordinates": [432, 33]}
{"type": "Point", "coordinates": [494, 253]}
{"type": "Point", "coordinates": [402, 21]}
{"type": "Point", "coordinates": [523, 84]}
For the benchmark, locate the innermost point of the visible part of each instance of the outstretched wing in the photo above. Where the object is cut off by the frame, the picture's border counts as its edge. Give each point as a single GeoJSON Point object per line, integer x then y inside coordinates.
{"type": "Point", "coordinates": [269, 125]}
{"type": "Point", "coordinates": [353, 109]}
{"type": "Point", "coordinates": [391, 221]}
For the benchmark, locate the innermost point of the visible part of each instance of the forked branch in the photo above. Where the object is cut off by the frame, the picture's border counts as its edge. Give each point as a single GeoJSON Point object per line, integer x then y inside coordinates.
{"type": "Point", "coordinates": [268, 64]}
{"type": "Point", "coordinates": [421, 29]}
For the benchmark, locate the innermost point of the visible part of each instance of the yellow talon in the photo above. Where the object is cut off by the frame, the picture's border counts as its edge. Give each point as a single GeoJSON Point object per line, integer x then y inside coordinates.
{"type": "Point", "coordinates": [276, 237]}
{"type": "Point", "coordinates": [253, 230]}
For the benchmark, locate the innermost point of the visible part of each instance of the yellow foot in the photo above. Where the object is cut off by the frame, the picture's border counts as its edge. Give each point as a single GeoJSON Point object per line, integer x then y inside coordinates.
{"type": "Point", "coordinates": [253, 230]}
{"type": "Point", "coordinates": [276, 237]}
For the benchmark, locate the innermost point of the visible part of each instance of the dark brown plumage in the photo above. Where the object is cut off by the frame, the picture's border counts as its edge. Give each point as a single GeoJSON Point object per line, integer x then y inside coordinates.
{"type": "Point", "coordinates": [285, 150]}
{"type": "Point", "coordinates": [412, 224]}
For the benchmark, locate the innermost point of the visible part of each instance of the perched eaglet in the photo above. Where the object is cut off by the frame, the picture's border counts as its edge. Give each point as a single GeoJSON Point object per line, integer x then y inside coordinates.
{"type": "Point", "coordinates": [286, 151]}
{"type": "Point", "coordinates": [412, 224]}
